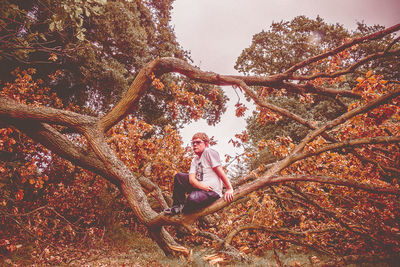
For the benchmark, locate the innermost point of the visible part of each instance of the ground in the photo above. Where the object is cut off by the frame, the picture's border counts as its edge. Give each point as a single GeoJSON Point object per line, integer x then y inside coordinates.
{"type": "Point", "coordinates": [137, 250]}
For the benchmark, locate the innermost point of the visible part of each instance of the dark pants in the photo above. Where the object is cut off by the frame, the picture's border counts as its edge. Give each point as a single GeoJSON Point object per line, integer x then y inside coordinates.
{"type": "Point", "coordinates": [196, 199]}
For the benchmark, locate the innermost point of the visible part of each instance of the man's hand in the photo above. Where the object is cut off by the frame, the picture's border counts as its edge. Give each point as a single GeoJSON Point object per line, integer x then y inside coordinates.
{"type": "Point", "coordinates": [228, 196]}
{"type": "Point", "coordinates": [195, 183]}
{"type": "Point", "coordinates": [205, 187]}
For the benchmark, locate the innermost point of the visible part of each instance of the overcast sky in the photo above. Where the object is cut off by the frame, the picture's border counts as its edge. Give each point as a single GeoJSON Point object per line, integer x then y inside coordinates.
{"type": "Point", "coordinates": [216, 32]}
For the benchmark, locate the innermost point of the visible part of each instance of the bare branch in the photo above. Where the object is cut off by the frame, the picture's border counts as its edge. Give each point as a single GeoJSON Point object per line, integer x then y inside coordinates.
{"type": "Point", "coordinates": [275, 81]}
{"type": "Point", "coordinates": [350, 68]}
{"type": "Point", "coordinates": [344, 46]}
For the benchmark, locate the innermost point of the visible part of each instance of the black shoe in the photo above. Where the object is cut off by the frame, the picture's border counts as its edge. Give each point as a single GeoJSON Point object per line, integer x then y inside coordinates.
{"type": "Point", "coordinates": [176, 209]}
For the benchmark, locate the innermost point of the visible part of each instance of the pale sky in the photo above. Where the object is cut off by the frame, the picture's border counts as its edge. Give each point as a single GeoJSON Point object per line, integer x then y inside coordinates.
{"type": "Point", "coordinates": [216, 32]}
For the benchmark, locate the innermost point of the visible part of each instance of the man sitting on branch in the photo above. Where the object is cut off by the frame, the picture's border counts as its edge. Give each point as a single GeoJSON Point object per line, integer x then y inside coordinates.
{"type": "Point", "coordinates": [204, 183]}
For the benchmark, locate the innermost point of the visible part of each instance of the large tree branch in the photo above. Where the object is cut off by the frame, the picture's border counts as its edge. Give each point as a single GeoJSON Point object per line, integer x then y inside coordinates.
{"type": "Point", "coordinates": [60, 145]}
{"type": "Point", "coordinates": [129, 102]}
{"type": "Point", "coordinates": [11, 109]}
{"type": "Point", "coordinates": [169, 65]}
{"type": "Point", "coordinates": [311, 88]}
{"type": "Point", "coordinates": [99, 159]}
{"type": "Point", "coordinates": [187, 219]}
{"type": "Point", "coordinates": [280, 165]}
{"type": "Point", "coordinates": [182, 67]}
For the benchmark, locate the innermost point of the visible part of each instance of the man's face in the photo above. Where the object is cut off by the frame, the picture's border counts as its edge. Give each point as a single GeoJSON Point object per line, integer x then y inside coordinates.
{"type": "Point", "coordinates": [198, 146]}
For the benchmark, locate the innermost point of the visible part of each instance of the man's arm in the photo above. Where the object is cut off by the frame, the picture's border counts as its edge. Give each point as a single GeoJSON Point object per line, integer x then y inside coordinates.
{"type": "Point", "coordinates": [228, 196]}
{"type": "Point", "coordinates": [195, 183]}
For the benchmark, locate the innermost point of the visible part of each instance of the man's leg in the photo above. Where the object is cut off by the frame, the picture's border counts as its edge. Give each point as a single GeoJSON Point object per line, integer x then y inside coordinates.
{"type": "Point", "coordinates": [181, 187]}
{"type": "Point", "coordinates": [199, 199]}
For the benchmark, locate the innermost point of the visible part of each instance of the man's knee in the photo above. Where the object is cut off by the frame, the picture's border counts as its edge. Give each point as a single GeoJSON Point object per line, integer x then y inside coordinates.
{"type": "Point", "coordinates": [197, 197]}
{"type": "Point", "coordinates": [202, 197]}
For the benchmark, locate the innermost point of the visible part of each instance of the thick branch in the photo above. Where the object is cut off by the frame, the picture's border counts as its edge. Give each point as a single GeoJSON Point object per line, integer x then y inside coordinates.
{"type": "Point", "coordinates": [167, 65]}
{"type": "Point", "coordinates": [335, 181]}
{"type": "Point", "coordinates": [11, 109]}
{"type": "Point", "coordinates": [276, 81]}
{"type": "Point", "coordinates": [60, 145]}
{"type": "Point", "coordinates": [131, 98]}
{"type": "Point", "coordinates": [311, 88]}
{"type": "Point", "coordinates": [187, 219]}
{"type": "Point", "coordinates": [155, 189]}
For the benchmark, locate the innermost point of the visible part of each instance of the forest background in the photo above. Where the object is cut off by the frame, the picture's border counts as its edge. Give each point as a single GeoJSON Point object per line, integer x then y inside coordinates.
{"type": "Point", "coordinates": [331, 120]}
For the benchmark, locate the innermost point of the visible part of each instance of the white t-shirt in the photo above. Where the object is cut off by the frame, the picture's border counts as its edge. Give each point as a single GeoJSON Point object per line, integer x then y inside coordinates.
{"type": "Point", "coordinates": [203, 166]}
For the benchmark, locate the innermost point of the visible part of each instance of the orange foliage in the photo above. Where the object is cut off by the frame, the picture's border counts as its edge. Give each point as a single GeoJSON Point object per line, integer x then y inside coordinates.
{"type": "Point", "coordinates": [156, 157]}
{"type": "Point", "coordinates": [331, 219]}
{"type": "Point", "coordinates": [191, 103]}
{"type": "Point", "coordinates": [240, 109]}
